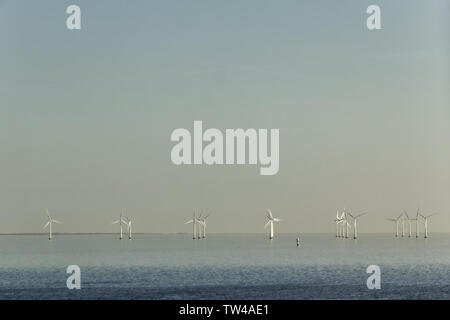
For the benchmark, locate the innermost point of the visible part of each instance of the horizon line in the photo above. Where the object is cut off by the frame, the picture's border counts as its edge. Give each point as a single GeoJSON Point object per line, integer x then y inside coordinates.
{"type": "Point", "coordinates": [172, 233]}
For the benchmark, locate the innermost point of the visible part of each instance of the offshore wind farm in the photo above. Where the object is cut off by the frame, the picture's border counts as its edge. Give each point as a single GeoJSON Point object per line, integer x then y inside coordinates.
{"type": "Point", "coordinates": [231, 265]}
{"type": "Point", "coordinates": [343, 226]}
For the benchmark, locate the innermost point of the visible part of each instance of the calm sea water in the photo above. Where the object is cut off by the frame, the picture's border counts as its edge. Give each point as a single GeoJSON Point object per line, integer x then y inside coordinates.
{"type": "Point", "coordinates": [224, 267]}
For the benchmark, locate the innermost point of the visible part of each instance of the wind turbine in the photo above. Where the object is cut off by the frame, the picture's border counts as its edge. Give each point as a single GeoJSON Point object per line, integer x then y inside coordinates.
{"type": "Point", "coordinates": [270, 222]}
{"type": "Point", "coordinates": [49, 223]}
{"type": "Point", "coordinates": [417, 222]}
{"type": "Point", "coordinates": [194, 222]}
{"type": "Point", "coordinates": [403, 226]}
{"type": "Point", "coordinates": [128, 224]}
{"type": "Point", "coordinates": [202, 221]}
{"type": "Point", "coordinates": [344, 224]}
{"type": "Point", "coordinates": [199, 222]}
{"type": "Point", "coordinates": [340, 224]}
{"type": "Point", "coordinates": [409, 222]}
{"type": "Point", "coordinates": [355, 218]}
{"type": "Point", "coordinates": [425, 222]}
{"type": "Point", "coordinates": [120, 222]}
{"type": "Point", "coordinates": [343, 227]}
{"type": "Point", "coordinates": [402, 219]}
{"type": "Point", "coordinates": [338, 221]}
{"type": "Point", "coordinates": [347, 225]}
{"type": "Point", "coordinates": [396, 223]}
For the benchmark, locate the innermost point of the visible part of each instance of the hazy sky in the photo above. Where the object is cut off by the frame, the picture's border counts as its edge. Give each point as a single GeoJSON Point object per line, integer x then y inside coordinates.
{"type": "Point", "coordinates": [86, 116]}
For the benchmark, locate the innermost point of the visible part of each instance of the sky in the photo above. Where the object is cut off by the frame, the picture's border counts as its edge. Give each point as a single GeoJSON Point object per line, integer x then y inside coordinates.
{"type": "Point", "coordinates": [86, 115]}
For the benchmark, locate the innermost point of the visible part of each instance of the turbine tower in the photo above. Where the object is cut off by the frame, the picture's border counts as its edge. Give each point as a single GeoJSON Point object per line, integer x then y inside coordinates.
{"type": "Point", "coordinates": [409, 222]}
{"type": "Point", "coordinates": [403, 225]}
{"type": "Point", "coordinates": [270, 222]}
{"type": "Point", "coordinates": [425, 222]}
{"type": "Point", "coordinates": [194, 222]}
{"type": "Point", "coordinates": [417, 222]}
{"type": "Point", "coordinates": [199, 222]}
{"type": "Point", "coordinates": [202, 222]}
{"type": "Point", "coordinates": [128, 224]}
{"type": "Point", "coordinates": [120, 222]}
{"type": "Point", "coordinates": [338, 221]}
{"type": "Point", "coordinates": [49, 224]}
{"type": "Point", "coordinates": [345, 225]}
{"type": "Point", "coordinates": [342, 226]}
{"type": "Point", "coordinates": [396, 220]}
{"type": "Point", "coordinates": [355, 218]}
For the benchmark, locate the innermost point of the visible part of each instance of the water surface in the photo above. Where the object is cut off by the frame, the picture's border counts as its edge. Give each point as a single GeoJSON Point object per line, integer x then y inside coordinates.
{"type": "Point", "coordinates": [241, 266]}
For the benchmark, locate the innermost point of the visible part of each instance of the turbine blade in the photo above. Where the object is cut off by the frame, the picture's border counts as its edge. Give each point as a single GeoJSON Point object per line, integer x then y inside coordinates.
{"type": "Point", "coordinates": [361, 214]}
{"type": "Point", "coordinates": [270, 213]}
{"type": "Point", "coordinates": [56, 221]}
{"type": "Point", "coordinates": [267, 224]}
{"type": "Point", "coordinates": [46, 225]}
{"type": "Point", "coordinates": [406, 214]}
{"type": "Point", "coordinates": [190, 221]}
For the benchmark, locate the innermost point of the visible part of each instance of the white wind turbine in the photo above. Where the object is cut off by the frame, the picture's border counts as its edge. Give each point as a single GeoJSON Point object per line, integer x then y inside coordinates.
{"type": "Point", "coordinates": [270, 222]}
{"type": "Point", "coordinates": [194, 222]}
{"type": "Point", "coordinates": [128, 224]}
{"type": "Point", "coordinates": [409, 222]}
{"type": "Point", "coordinates": [403, 224]}
{"type": "Point", "coordinates": [338, 222]}
{"type": "Point", "coordinates": [425, 222]}
{"type": "Point", "coordinates": [417, 222]}
{"type": "Point", "coordinates": [49, 224]}
{"type": "Point", "coordinates": [202, 222]}
{"type": "Point", "coordinates": [396, 220]}
{"type": "Point", "coordinates": [344, 224]}
{"type": "Point", "coordinates": [347, 225]}
{"type": "Point", "coordinates": [200, 225]}
{"type": "Point", "coordinates": [355, 218]}
{"type": "Point", "coordinates": [120, 222]}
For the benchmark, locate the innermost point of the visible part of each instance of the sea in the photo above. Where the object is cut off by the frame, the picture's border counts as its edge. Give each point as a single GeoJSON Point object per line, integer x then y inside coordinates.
{"type": "Point", "coordinates": [224, 266]}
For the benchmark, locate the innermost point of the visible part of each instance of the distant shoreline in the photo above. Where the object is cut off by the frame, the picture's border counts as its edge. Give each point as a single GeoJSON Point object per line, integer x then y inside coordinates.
{"type": "Point", "coordinates": [185, 233]}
